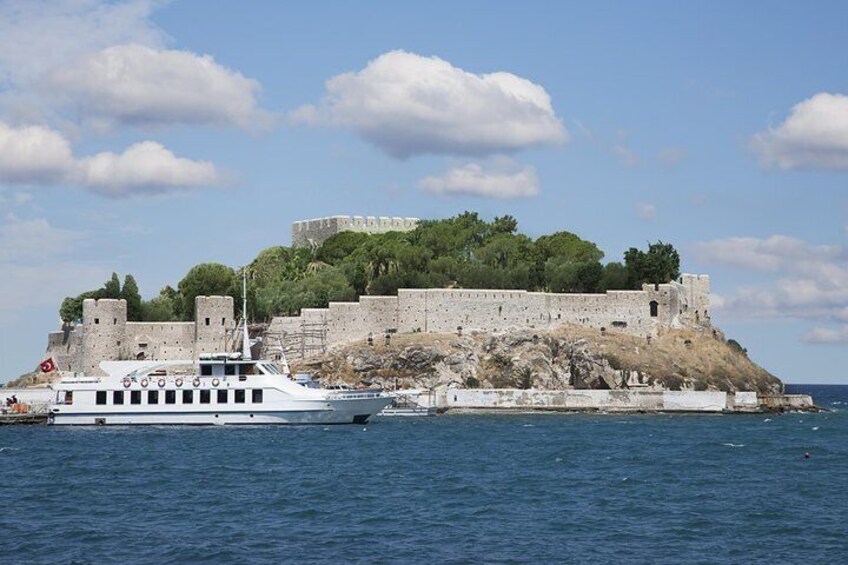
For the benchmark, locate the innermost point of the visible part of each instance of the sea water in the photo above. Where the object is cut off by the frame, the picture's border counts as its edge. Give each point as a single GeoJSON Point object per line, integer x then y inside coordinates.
{"type": "Point", "coordinates": [459, 488]}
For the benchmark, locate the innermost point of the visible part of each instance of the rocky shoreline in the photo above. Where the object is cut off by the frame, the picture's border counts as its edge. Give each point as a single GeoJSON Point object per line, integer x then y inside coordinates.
{"type": "Point", "coordinates": [567, 359]}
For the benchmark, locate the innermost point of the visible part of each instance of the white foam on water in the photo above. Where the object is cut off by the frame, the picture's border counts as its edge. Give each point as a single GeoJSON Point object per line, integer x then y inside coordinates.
{"type": "Point", "coordinates": [734, 444]}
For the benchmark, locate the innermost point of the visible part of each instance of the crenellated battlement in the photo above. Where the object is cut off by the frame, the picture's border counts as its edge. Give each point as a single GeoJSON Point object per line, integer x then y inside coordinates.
{"type": "Point", "coordinates": [314, 232]}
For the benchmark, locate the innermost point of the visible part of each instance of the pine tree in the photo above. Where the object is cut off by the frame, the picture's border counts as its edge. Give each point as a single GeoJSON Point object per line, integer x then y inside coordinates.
{"type": "Point", "coordinates": [133, 298]}
{"type": "Point", "coordinates": [112, 288]}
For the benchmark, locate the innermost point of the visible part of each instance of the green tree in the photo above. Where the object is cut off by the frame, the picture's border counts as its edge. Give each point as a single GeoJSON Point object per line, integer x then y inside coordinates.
{"type": "Point", "coordinates": [566, 245]}
{"type": "Point", "coordinates": [614, 277]}
{"type": "Point", "coordinates": [660, 264]}
{"type": "Point", "coordinates": [112, 288]}
{"type": "Point", "coordinates": [339, 246]}
{"type": "Point", "coordinates": [288, 297]}
{"type": "Point", "coordinates": [130, 293]}
{"type": "Point", "coordinates": [504, 224]}
{"type": "Point", "coordinates": [563, 275]}
{"type": "Point", "coordinates": [207, 279]}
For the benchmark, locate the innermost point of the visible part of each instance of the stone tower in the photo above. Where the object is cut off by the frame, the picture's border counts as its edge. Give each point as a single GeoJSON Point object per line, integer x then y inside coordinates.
{"type": "Point", "coordinates": [213, 322]}
{"type": "Point", "coordinates": [697, 296]}
{"type": "Point", "coordinates": [104, 333]}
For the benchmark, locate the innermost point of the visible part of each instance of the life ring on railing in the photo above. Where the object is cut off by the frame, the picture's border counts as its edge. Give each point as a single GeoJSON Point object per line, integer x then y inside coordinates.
{"type": "Point", "coordinates": [215, 382]}
{"type": "Point", "coordinates": [161, 383]}
{"type": "Point", "coordinates": [144, 382]}
{"type": "Point", "coordinates": [196, 383]}
{"type": "Point", "coordinates": [178, 382]}
{"type": "Point", "coordinates": [127, 382]}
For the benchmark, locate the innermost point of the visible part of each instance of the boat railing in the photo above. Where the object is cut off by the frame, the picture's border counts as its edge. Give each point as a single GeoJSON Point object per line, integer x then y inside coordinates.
{"type": "Point", "coordinates": [39, 407]}
{"type": "Point", "coordinates": [355, 394]}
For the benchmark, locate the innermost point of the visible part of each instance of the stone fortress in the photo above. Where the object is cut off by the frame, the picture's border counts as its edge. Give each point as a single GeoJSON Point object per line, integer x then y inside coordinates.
{"type": "Point", "coordinates": [683, 304]}
{"type": "Point", "coordinates": [105, 333]}
{"type": "Point", "coordinates": [312, 233]}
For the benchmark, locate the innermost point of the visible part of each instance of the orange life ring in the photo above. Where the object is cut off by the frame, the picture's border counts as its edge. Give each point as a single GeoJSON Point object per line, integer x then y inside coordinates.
{"type": "Point", "coordinates": [196, 383]}
{"type": "Point", "coordinates": [144, 382]}
{"type": "Point", "coordinates": [215, 382]}
{"type": "Point", "coordinates": [161, 383]}
{"type": "Point", "coordinates": [178, 382]}
{"type": "Point", "coordinates": [127, 382]}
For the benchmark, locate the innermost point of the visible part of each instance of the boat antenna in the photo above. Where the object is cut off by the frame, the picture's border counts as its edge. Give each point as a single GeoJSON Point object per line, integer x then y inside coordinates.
{"type": "Point", "coordinates": [245, 344]}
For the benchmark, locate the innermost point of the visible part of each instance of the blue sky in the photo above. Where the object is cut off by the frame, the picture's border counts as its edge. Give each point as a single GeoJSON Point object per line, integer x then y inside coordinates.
{"type": "Point", "coordinates": [145, 137]}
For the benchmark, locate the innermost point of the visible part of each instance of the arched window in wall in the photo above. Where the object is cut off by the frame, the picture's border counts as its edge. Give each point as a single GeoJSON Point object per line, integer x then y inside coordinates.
{"type": "Point", "coordinates": [655, 308]}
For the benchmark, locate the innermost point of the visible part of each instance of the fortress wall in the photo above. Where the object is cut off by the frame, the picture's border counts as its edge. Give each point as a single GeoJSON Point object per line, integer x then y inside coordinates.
{"type": "Point", "coordinates": [486, 310]}
{"type": "Point", "coordinates": [411, 310]}
{"type": "Point", "coordinates": [345, 322]}
{"type": "Point", "coordinates": [623, 311]}
{"type": "Point", "coordinates": [161, 340]}
{"type": "Point", "coordinates": [379, 313]}
{"type": "Point", "coordinates": [66, 352]}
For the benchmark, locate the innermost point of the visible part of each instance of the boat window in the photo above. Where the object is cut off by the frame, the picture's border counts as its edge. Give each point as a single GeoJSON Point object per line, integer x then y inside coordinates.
{"type": "Point", "coordinates": [205, 396]}
{"type": "Point", "coordinates": [135, 397]}
{"type": "Point", "coordinates": [69, 397]}
{"type": "Point", "coordinates": [222, 396]}
{"type": "Point", "coordinates": [257, 396]}
{"type": "Point", "coordinates": [229, 369]}
{"type": "Point", "coordinates": [153, 397]}
{"type": "Point", "coordinates": [117, 397]}
{"type": "Point", "coordinates": [239, 397]}
{"type": "Point", "coordinates": [188, 396]}
{"type": "Point", "coordinates": [206, 370]}
{"type": "Point", "coordinates": [170, 397]}
{"type": "Point", "coordinates": [101, 397]}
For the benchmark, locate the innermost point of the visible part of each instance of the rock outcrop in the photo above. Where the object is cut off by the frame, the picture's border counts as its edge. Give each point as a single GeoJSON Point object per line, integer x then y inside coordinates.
{"type": "Point", "coordinates": [563, 359]}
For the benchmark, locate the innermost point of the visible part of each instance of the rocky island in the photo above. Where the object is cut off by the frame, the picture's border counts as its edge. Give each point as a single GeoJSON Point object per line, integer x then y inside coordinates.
{"type": "Point", "coordinates": [555, 328]}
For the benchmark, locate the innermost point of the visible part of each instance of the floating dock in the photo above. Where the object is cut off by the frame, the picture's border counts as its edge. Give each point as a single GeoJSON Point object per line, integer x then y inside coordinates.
{"type": "Point", "coordinates": [15, 419]}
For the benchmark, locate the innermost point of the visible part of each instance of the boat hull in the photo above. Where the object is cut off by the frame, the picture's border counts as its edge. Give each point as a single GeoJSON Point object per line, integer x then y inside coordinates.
{"type": "Point", "coordinates": [353, 411]}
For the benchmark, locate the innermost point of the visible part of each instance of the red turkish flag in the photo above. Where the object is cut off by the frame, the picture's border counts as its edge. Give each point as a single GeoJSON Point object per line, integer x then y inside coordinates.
{"type": "Point", "coordinates": [47, 366]}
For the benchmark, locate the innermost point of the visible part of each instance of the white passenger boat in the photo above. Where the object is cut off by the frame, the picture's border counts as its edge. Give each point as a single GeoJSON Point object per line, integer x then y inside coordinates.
{"type": "Point", "coordinates": [227, 389]}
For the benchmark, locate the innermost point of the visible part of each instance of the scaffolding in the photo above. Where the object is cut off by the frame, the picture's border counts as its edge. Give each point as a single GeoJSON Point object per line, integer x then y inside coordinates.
{"type": "Point", "coordinates": [310, 340]}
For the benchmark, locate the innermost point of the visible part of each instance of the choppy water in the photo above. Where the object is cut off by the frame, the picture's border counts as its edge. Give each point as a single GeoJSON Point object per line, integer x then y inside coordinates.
{"type": "Point", "coordinates": [457, 488]}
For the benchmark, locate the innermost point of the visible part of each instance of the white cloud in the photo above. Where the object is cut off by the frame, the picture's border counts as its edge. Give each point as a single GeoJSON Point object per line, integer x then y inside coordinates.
{"type": "Point", "coordinates": [805, 281]}
{"type": "Point", "coordinates": [33, 154]}
{"type": "Point", "coordinates": [773, 253]}
{"type": "Point", "coordinates": [134, 84]}
{"type": "Point", "coordinates": [502, 178]}
{"type": "Point", "coordinates": [827, 335]}
{"type": "Point", "coordinates": [37, 155]}
{"type": "Point", "coordinates": [647, 212]}
{"type": "Point", "coordinates": [625, 155]}
{"type": "Point", "coordinates": [143, 167]}
{"type": "Point", "coordinates": [408, 105]}
{"type": "Point", "coordinates": [39, 35]}
{"type": "Point", "coordinates": [814, 136]}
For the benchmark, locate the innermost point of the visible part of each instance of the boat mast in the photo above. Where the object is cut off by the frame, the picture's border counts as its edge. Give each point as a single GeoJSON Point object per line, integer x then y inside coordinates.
{"type": "Point", "coordinates": [245, 344]}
